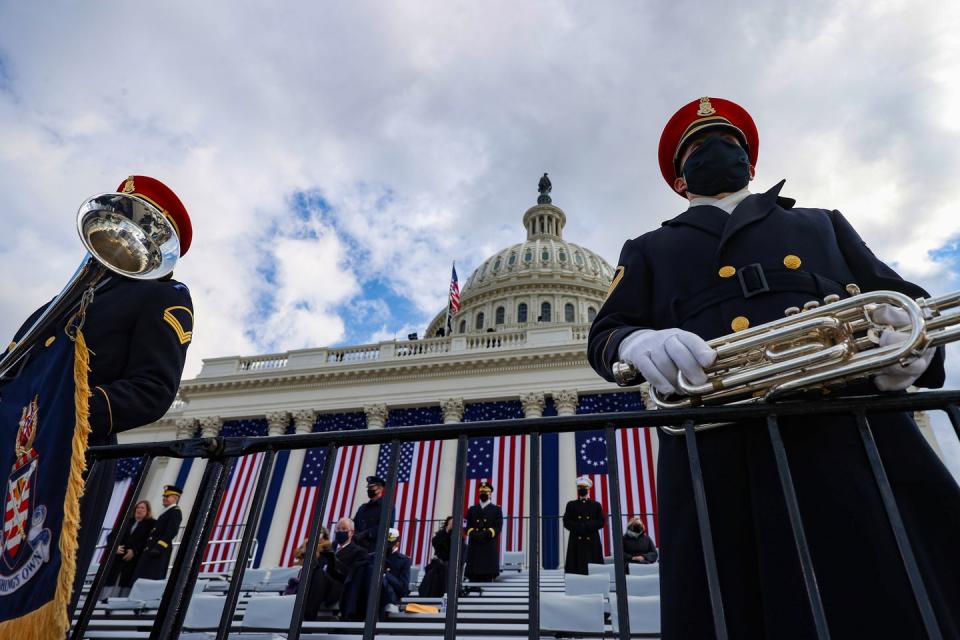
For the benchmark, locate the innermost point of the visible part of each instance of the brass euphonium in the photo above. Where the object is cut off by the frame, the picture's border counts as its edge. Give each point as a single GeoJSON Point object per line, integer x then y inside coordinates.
{"type": "Point", "coordinates": [818, 347]}
{"type": "Point", "coordinates": [123, 234]}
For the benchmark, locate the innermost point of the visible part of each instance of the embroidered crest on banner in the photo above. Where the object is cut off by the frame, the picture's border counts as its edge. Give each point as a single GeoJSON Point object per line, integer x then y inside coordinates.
{"type": "Point", "coordinates": [26, 543]}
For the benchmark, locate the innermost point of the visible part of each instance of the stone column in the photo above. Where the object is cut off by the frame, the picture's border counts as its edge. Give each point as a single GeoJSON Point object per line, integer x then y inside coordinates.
{"type": "Point", "coordinates": [376, 419]}
{"type": "Point", "coordinates": [566, 403]}
{"type": "Point", "coordinates": [533, 405]}
{"type": "Point", "coordinates": [161, 475]}
{"type": "Point", "coordinates": [650, 406]}
{"type": "Point", "coordinates": [303, 421]}
{"type": "Point", "coordinates": [452, 414]}
{"type": "Point", "coordinates": [209, 428]}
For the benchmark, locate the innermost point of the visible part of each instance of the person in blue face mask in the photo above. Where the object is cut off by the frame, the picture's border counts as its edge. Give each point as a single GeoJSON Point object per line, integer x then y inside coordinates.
{"type": "Point", "coordinates": [730, 260]}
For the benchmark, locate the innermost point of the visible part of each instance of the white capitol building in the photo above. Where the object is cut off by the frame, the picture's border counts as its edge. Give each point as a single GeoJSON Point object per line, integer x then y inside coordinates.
{"type": "Point", "coordinates": [519, 341]}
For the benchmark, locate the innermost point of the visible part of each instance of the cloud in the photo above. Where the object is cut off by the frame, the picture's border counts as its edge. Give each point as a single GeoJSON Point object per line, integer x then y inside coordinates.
{"type": "Point", "coordinates": [336, 158]}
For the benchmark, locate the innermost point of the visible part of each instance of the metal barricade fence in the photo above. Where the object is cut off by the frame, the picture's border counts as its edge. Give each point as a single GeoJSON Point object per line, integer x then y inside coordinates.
{"type": "Point", "coordinates": [221, 453]}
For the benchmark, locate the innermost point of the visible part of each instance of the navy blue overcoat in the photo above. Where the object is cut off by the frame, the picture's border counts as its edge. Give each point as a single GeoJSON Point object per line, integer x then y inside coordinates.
{"type": "Point", "coordinates": [711, 273]}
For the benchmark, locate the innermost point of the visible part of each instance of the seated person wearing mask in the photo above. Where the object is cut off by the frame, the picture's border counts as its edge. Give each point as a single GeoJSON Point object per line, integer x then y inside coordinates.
{"type": "Point", "coordinates": [396, 575]}
{"type": "Point", "coordinates": [332, 570]}
{"type": "Point", "coordinates": [638, 548]}
{"type": "Point", "coordinates": [434, 582]}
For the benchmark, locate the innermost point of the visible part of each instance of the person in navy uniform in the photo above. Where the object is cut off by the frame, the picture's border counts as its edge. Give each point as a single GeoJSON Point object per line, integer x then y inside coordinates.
{"type": "Point", "coordinates": [138, 332]}
{"type": "Point", "coordinates": [734, 259]}
{"type": "Point", "coordinates": [395, 584]}
{"type": "Point", "coordinates": [484, 522]}
{"type": "Point", "coordinates": [156, 554]}
{"type": "Point", "coordinates": [367, 519]}
{"type": "Point", "coordinates": [584, 519]}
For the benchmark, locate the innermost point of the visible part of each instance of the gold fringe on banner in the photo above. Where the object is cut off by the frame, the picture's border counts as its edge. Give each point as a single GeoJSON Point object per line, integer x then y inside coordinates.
{"type": "Point", "coordinates": [51, 620]}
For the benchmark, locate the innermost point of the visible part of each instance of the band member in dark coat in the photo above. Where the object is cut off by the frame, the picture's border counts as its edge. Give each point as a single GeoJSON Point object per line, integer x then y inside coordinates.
{"type": "Point", "coordinates": [133, 535]}
{"type": "Point", "coordinates": [733, 260]}
{"type": "Point", "coordinates": [638, 548]}
{"type": "Point", "coordinates": [156, 554]}
{"type": "Point", "coordinates": [138, 332]}
{"type": "Point", "coordinates": [367, 519]}
{"type": "Point", "coordinates": [434, 581]}
{"type": "Point", "coordinates": [484, 522]}
{"type": "Point", "coordinates": [584, 519]}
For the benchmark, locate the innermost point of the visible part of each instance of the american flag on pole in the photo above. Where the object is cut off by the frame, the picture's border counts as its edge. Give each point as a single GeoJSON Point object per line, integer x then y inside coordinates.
{"type": "Point", "coordinates": [638, 490]}
{"type": "Point", "coordinates": [453, 307]}
{"type": "Point", "coordinates": [344, 482]}
{"type": "Point", "coordinates": [127, 470]}
{"type": "Point", "coordinates": [502, 462]}
{"type": "Point", "coordinates": [417, 474]}
{"type": "Point", "coordinates": [232, 513]}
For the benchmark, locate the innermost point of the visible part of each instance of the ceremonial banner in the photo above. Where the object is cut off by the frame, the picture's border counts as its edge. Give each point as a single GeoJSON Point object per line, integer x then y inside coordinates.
{"type": "Point", "coordinates": [43, 436]}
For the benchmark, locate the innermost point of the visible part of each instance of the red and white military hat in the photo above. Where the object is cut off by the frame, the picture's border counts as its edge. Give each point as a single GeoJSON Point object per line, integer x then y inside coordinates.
{"type": "Point", "coordinates": [704, 114]}
{"type": "Point", "coordinates": [162, 197]}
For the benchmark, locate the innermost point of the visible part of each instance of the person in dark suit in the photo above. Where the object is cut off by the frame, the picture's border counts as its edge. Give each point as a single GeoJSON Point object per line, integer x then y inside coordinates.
{"type": "Point", "coordinates": [367, 518]}
{"type": "Point", "coordinates": [584, 519]}
{"type": "Point", "coordinates": [137, 332]}
{"type": "Point", "coordinates": [333, 569]}
{"type": "Point", "coordinates": [734, 259]}
{"type": "Point", "coordinates": [155, 557]}
{"type": "Point", "coordinates": [434, 581]}
{"type": "Point", "coordinates": [638, 548]}
{"type": "Point", "coordinates": [484, 523]}
{"type": "Point", "coordinates": [133, 535]}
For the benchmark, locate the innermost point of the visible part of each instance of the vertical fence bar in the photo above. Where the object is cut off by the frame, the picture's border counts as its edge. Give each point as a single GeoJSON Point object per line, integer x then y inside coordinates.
{"type": "Point", "coordinates": [706, 534]}
{"type": "Point", "coordinates": [373, 601]}
{"type": "Point", "coordinates": [616, 522]}
{"type": "Point", "coordinates": [246, 543]}
{"type": "Point", "coordinates": [533, 563]}
{"type": "Point", "coordinates": [899, 531]}
{"type": "Point", "coordinates": [110, 553]}
{"type": "Point", "coordinates": [306, 573]}
{"type": "Point", "coordinates": [954, 416]}
{"type": "Point", "coordinates": [456, 541]}
{"type": "Point", "coordinates": [176, 595]}
{"type": "Point", "coordinates": [799, 534]}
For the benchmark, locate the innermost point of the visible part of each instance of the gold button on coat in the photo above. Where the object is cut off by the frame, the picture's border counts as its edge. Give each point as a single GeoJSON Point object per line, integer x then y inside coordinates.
{"type": "Point", "coordinates": [791, 262]}
{"type": "Point", "coordinates": [739, 323]}
{"type": "Point", "coordinates": [727, 272]}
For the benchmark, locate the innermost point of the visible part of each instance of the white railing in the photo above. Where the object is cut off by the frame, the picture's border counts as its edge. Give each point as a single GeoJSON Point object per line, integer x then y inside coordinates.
{"type": "Point", "coordinates": [539, 335]}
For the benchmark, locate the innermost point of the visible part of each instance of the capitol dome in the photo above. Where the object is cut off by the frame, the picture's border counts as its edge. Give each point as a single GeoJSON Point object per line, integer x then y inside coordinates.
{"type": "Point", "coordinates": [544, 280]}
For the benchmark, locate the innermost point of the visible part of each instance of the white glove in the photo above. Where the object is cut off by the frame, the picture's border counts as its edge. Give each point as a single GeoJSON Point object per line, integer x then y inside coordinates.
{"type": "Point", "coordinates": [897, 377]}
{"type": "Point", "coordinates": [660, 355]}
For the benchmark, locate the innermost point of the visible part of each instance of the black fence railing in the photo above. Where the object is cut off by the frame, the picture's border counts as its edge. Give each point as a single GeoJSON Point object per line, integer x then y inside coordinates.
{"type": "Point", "coordinates": [221, 453]}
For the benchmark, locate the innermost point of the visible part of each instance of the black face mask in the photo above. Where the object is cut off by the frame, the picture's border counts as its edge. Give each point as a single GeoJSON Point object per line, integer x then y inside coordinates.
{"type": "Point", "coordinates": [717, 166]}
{"type": "Point", "coordinates": [636, 529]}
{"type": "Point", "coordinates": [484, 497]}
{"type": "Point", "coordinates": [371, 493]}
{"type": "Point", "coordinates": [582, 492]}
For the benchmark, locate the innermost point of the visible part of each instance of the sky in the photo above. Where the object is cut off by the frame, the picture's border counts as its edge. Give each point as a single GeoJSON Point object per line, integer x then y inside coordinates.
{"type": "Point", "coordinates": [336, 157]}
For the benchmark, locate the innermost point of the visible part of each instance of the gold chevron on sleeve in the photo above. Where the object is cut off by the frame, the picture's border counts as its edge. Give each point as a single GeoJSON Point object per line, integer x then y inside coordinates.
{"type": "Point", "coordinates": [183, 335]}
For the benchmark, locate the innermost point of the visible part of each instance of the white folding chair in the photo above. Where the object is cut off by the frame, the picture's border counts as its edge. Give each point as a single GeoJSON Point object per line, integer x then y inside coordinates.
{"type": "Point", "coordinates": [571, 614]}
{"type": "Point", "coordinates": [604, 569]}
{"type": "Point", "coordinates": [204, 613]}
{"type": "Point", "coordinates": [145, 594]}
{"type": "Point", "coordinates": [643, 585]}
{"type": "Point", "coordinates": [644, 612]}
{"type": "Point", "coordinates": [512, 561]}
{"type": "Point", "coordinates": [269, 612]}
{"type": "Point", "coordinates": [578, 585]}
{"type": "Point", "coordinates": [636, 569]}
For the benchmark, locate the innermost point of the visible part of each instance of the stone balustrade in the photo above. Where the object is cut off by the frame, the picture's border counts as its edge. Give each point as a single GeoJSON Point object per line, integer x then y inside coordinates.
{"type": "Point", "coordinates": [529, 337]}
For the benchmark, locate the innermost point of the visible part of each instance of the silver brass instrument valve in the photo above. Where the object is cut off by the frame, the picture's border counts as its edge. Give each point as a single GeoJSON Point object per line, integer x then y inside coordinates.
{"type": "Point", "coordinates": [791, 311]}
{"type": "Point", "coordinates": [852, 289]}
{"type": "Point", "coordinates": [830, 299]}
{"type": "Point", "coordinates": [810, 306]}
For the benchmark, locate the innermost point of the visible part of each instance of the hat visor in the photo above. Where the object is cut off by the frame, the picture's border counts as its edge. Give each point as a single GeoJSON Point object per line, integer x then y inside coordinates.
{"type": "Point", "coordinates": [694, 131]}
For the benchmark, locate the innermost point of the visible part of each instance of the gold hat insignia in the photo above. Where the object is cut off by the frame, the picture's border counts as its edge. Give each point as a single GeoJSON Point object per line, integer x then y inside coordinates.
{"type": "Point", "coordinates": [128, 185]}
{"type": "Point", "coordinates": [706, 109]}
